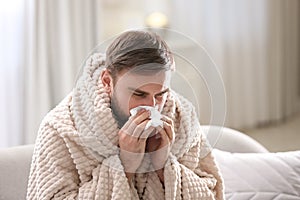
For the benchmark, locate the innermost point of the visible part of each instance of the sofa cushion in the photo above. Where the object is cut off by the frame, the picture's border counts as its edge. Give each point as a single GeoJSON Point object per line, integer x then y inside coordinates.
{"type": "Point", "coordinates": [260, 175]}
{"type": "Point", "coordinates": [14, 171]}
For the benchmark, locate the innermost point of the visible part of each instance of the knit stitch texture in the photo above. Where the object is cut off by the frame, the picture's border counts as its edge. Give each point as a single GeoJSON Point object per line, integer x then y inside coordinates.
{"type": "Point", "coordinates": [76, 155]}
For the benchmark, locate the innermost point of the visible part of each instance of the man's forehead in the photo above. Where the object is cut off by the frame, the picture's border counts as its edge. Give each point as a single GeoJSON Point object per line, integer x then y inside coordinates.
{"type": "Point", "coordinates": [137, 80]}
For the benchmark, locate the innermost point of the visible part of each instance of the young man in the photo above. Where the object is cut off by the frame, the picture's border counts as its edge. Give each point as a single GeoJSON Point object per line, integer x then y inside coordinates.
{"type": "Point", "coordinates": [92, 147]}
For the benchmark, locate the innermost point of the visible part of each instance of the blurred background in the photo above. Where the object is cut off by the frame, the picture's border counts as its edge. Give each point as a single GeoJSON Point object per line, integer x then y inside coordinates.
{"type": "Point", "coordinates": [254, 44]}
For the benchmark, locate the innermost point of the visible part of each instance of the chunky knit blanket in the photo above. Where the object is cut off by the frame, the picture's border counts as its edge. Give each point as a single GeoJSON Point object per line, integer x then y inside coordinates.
{"type": "Point", "coordinates": [76, 154]}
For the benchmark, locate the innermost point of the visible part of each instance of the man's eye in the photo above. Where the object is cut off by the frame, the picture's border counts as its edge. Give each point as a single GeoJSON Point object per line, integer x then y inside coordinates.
{"type": "Point", "coordinates": [139, 94]}
{"type": "Point", "coordinates": [160, 95]}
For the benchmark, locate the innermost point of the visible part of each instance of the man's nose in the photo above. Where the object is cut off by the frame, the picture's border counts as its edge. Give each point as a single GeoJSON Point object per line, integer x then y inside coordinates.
{"type": "Point", "coordinates": [151, 101]}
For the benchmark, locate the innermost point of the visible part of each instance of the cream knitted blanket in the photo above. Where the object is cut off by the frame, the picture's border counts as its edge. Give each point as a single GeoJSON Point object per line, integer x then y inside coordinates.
{"type": "Point", "coordinates": [76, 154]}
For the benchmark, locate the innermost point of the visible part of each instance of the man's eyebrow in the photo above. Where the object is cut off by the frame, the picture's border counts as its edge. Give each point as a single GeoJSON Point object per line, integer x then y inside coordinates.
{"type": "Point", "coordinates": [137, 90]}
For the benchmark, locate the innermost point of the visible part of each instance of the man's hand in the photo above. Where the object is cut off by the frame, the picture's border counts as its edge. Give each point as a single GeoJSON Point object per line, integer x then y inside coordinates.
{"type": "Point", "coordinates": [160, 145]}
{"type": "Point", "coordinates": [132, 141]}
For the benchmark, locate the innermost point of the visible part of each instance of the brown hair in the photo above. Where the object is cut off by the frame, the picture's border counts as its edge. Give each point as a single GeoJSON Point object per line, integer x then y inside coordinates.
{"type": "Point", "coordinates": [140, 51]}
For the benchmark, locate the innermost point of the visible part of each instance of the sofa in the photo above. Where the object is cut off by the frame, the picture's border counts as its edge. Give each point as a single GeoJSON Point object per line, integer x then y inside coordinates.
{"type": "Point", "coordinates": [249, 170]}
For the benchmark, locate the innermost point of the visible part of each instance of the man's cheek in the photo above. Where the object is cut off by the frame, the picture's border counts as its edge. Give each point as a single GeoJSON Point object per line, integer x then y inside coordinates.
{"type": "Point", "coordinates": [132, 104]}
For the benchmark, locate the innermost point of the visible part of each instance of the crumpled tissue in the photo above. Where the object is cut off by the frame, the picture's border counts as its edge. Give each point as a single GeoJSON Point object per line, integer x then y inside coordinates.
{"type": "Point", "coordinates": [155, 116]}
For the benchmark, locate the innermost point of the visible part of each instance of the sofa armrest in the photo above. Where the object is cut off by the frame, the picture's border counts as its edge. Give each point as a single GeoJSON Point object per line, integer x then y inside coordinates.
{"type": "Point", "coordinates": [14, 171]}
{"type": "Point", "coordinates": [231, 140]}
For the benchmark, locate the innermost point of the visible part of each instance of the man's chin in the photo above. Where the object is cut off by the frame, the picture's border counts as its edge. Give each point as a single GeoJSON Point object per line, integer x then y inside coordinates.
{"type": "Point", "coordinates": [121, 122]}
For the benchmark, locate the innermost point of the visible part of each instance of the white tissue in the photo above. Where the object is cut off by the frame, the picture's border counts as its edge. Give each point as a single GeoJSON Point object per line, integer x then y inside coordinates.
{"type": "Point", "coordinates": [155, 116]}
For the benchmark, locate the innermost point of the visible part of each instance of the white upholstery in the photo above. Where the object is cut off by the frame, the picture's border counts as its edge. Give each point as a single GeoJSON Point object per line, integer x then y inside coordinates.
{"type": "Point", "coordinates": [14, 171]}
{"type": "Point", "coordinates": [15, 161]}
{"type": "Point", "coordinates": [257, 176]}
{"type": "Point", "coordinates": [230, 140]}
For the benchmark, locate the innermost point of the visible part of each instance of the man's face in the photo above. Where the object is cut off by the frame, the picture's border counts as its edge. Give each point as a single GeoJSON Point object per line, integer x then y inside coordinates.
{"type": "Point", "coordinates": [131, 90]}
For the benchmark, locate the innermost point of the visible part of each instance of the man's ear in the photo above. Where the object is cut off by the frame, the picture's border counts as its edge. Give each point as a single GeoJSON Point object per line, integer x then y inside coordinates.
{"type": "Point", "coordinates": [107, 80]}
